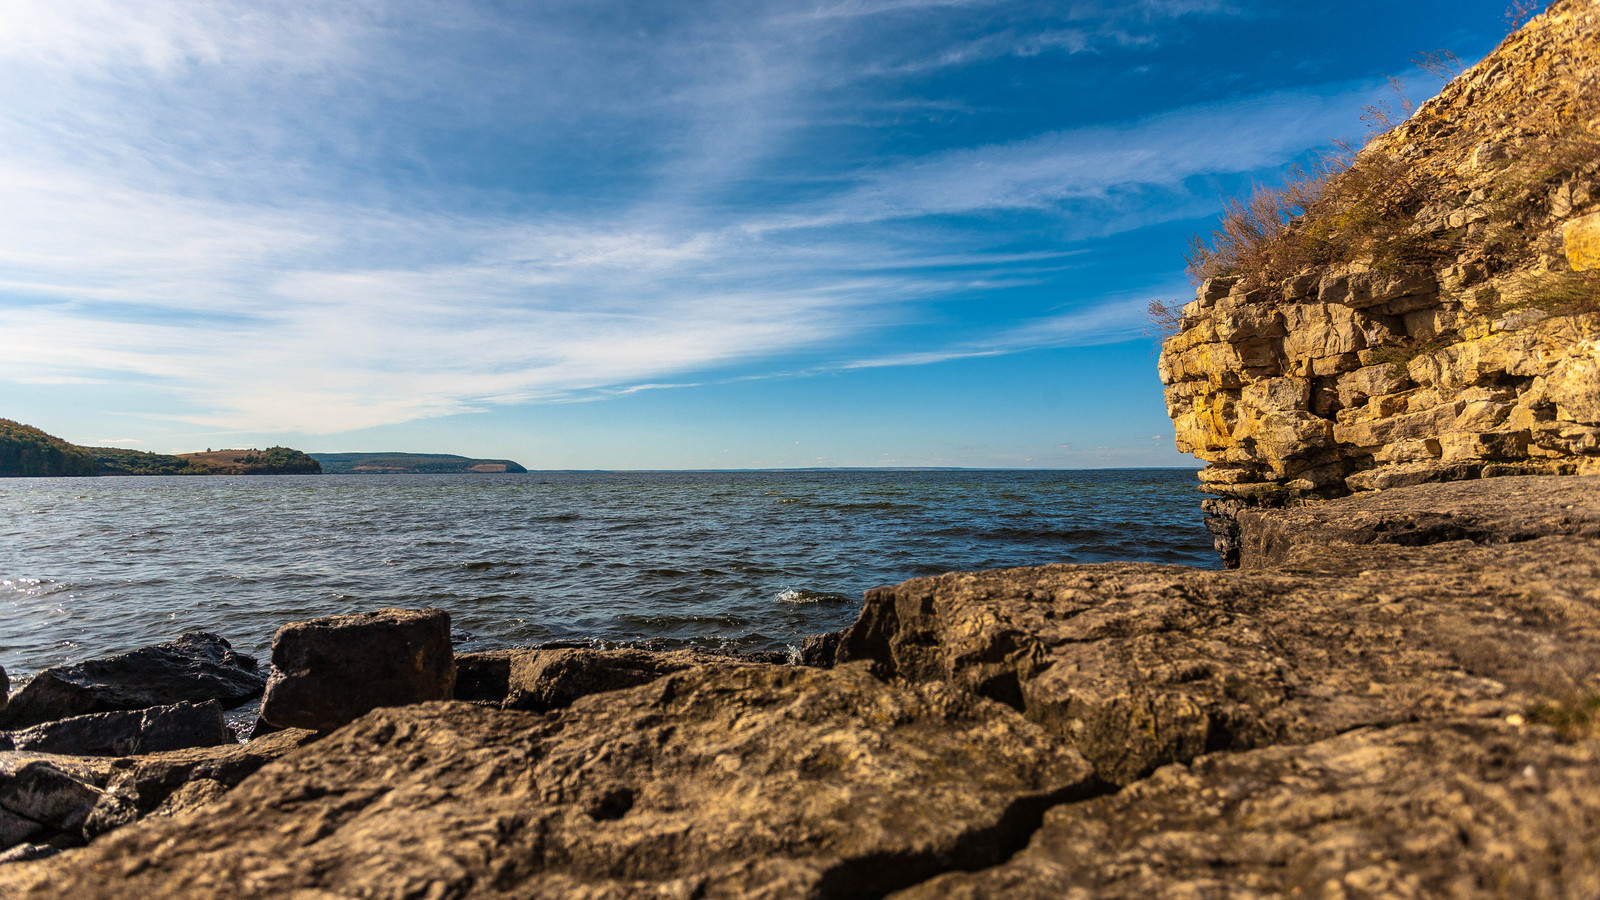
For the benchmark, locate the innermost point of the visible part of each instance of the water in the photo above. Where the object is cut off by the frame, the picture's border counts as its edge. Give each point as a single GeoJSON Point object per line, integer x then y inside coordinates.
{"type": "Point", "coordinates": [748, 560]}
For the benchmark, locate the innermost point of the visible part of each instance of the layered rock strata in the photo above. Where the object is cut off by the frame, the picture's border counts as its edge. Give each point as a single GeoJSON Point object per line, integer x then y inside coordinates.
{"type": "Point", "coordinates": [1467, 346]}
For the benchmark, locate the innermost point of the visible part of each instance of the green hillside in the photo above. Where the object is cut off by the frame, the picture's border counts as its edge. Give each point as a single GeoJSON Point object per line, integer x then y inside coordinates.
{"type": "Point", "coordinates": [26, 451]}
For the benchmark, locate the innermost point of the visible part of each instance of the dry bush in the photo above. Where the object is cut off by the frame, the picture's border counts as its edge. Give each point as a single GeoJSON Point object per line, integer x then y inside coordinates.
{"type": "Point", "coordinates": [1163, 320]}
{"type": "Point", "coordinates": [1328, 213]}
{"type": "Point", "coordinates": [1573, 718]}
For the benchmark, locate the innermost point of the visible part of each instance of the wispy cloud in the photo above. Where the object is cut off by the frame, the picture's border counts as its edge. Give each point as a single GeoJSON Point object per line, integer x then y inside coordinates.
{"type": "Point", "coordinates": [299, 218]}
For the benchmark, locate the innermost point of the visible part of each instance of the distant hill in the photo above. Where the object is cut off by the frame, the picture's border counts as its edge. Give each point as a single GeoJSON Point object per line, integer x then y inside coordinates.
{"type": "Point", "coordinates": [26, 451]}
{"type": "Point", "coordinates": [271, 461]}
{"type": "Point", "coordinates": [409, 464]}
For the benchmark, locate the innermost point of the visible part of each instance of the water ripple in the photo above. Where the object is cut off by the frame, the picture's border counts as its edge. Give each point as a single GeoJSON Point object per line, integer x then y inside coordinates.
{"type": "Point", "coordinates": [750, 560]}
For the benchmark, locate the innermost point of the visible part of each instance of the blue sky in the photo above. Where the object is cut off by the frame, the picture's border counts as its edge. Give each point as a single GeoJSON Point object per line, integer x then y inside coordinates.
{"type": "Point", "coordinates": [645, 234]}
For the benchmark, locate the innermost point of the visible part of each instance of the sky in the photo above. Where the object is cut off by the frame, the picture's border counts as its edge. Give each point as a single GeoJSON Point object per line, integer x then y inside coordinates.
{"type": "Point", "coordinates": [654, 234]}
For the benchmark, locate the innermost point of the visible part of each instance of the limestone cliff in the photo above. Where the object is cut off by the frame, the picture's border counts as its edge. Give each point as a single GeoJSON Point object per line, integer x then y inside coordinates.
{"type": "Point", "coordinates": [1450, 326]}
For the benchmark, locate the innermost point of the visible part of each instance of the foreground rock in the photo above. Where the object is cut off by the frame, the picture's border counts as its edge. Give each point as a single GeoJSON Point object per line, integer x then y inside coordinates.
{"type": "Point", "coordinates": [752, 782]}
{"type": "Point", "coordinates": [328, 671]}
{"type": "Point", "coordinates": [1460, 808]}
{"type": "Point", "coordinates": [52, 801]}
{"type": "Point", "coordinates": [194, 668]}
{"type": "Point", "coordinates": [5, 689]}
{"type": "Point", "coordinates": [1496, 511]}
{"type": "Point", "coordinates": [1137, 666]}
{"type": "Point", "coordinates": [159, 728]}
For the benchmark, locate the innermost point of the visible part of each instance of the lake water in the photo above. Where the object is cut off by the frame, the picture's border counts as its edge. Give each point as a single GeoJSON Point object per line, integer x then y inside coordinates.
{"type": "Point", "coordinates": [750, 560]}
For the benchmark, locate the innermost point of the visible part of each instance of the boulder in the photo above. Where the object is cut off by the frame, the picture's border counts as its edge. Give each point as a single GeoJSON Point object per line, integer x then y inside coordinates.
{"type": "Point", "coordinates": [194, 668]}
{"type": "Point", "coordinates": [5, 689]}
{"type": "Point", "coordinates": [542, 680]}
{"type": "Point", "coordinates": [328, 671]}
{"type": "Point", "coordinates": [739, 782]}
{"type": "Point", "coordinates": [1490, 511]}
{"type": "Point", "coordinates": [1462, 808]}
{"type": "Point", "coordinates": [1137, 666]}
{"type": "Point", "coordinates": [125, 733]}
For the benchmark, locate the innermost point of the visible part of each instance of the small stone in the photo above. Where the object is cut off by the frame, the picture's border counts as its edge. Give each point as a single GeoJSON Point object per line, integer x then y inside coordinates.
{"type": "Point", "coordinates": [328, 671]}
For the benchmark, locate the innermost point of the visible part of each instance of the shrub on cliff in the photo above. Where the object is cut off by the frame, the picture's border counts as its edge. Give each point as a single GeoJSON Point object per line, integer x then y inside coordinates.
{"type": "Point", "coordinates": [27, 451]}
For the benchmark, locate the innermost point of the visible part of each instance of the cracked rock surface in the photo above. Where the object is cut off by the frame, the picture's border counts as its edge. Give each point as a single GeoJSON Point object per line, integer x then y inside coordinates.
{"type": "Point", "coordinates": [750, 782]}
{"type": "Point", "coordinates": [1138, 666]}
{"type": "Point", "coordinates": [1452, 808]}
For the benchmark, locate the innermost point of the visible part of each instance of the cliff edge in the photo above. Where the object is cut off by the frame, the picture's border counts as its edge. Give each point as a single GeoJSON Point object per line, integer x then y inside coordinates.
{"type": "Point", "coordinates": [1431, 313]}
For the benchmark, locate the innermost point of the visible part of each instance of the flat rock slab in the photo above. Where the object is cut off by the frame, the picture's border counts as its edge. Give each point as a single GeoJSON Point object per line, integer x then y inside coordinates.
{"type": "Point", "coordinates": [1138, 666]}
{"type": "Point", "coordinates": [752, 782]}
{"type": "Point", "coordinates": [174, 727]}
{"type": "Point", "coordinates": [326, 672]}
{"type": "Point", "coordinates": [543, 680]}
{"type": "Point", "coordinates": [1484, 511]}
{"type": "Point", "coordinates": [194, 668]}
{"type": "Point", "coordinates": [1476, 808]}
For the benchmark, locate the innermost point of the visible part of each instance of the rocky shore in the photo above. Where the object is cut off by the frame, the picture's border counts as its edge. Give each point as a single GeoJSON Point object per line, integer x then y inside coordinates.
{"type": "Point", "coordinates": [1394, 692]}
{"type": "Point", "coordinates": [1396, 696]}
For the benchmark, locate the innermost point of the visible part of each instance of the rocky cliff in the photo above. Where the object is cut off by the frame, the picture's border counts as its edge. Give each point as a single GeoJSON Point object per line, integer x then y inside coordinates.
{"type": "Point", "coordinates": [1431, 313]}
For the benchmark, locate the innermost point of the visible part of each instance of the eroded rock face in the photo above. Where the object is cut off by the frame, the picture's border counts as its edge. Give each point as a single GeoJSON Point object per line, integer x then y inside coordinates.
{"type": "Point", "coordinates": [194, 668]}
{"type": "Point", "coordinates": [1461, 808]}
{"type": "Point", "coordinates": [747, 782]}
{"type": "Point", "coordinates": [1389, 372]}
{"type": "Point", "coordinates": [151, 730]}
{"type": "Point", "coordinates": [326, 672]}
{"type": "Point", "coordinates": [1137, 666]}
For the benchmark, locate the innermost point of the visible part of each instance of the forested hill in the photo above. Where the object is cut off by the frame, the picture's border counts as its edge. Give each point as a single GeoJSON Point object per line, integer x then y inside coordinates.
{"type": "Point", "coordinates": [26, 451]}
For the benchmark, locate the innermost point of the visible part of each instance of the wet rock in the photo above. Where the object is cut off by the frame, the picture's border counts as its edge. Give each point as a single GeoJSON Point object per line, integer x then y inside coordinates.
{"type": "Point", "coordinates": [46, 795]}
{"type": "Point", "coordinates": [484, 677]}
{"type": "Point", "coordinates": [1492, 511]}
{"type": "Point", "coordinates": [194, 668]}
{"type": "Point", "coordinates": [328, 671]}
{"type": "Point", "coordinates": [1470, 808]}
{"type": "Point", "coordinates": [5, 688]}
{"type": "Point", "coordinates": [1137, 666]}
{"type": "Point", "coordinates": [542, 680]}
{"type": "Point", "coordinates": [744, 782]}
{"type": "Point", "coordinates": [151, 730]}
{"type": "Point", "coordinates": [820, 650]}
